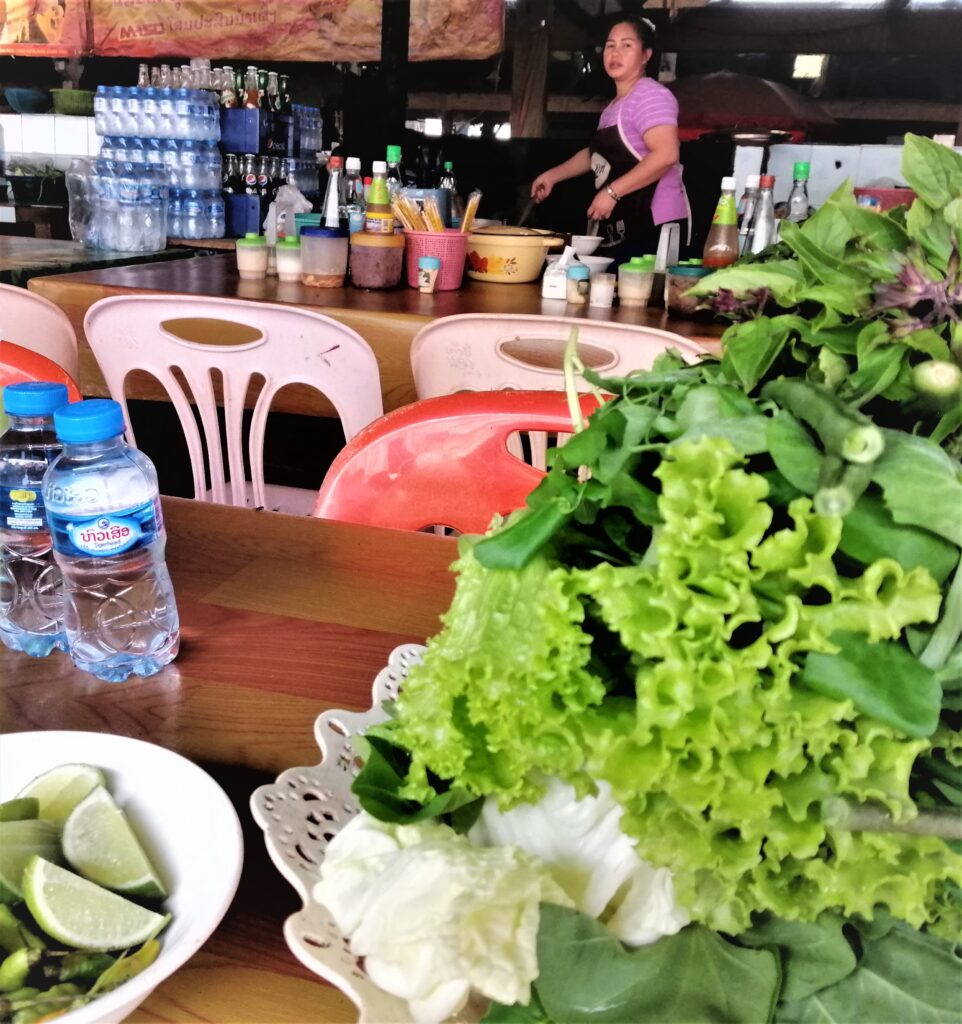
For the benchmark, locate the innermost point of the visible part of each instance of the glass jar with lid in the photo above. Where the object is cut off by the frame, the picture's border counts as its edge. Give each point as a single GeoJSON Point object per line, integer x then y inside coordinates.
{"type": "Point", "coordinates": [577, 284]}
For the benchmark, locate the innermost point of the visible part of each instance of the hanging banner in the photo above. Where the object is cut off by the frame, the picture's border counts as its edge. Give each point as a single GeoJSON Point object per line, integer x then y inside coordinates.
{"type": "Point", "coordinates": [44, 28]}
{"type": "Point", "coordinates": [290, 30]}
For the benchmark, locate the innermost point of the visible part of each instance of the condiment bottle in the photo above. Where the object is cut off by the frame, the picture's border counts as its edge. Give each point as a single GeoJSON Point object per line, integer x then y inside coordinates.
{"type": "Point", "coordinates": [763, 224]}
{"type": "Point", "coordinates": [577, 284]}
{"type": "Point", "coordinates": [721, 245]}
{"type": "Point", "coordinates": [332, 197]}
{"type": "Point", "coordinates": [379, 217]}
{"type": "Point", "coordinates": [798, 208]}
{"type": "Point", "coordinates": [748, 203]}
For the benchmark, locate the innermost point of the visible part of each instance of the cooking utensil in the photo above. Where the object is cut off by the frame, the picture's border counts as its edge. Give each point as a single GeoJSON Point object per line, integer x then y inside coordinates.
{"type": "Point", "coordinates": [526, 212]}
{"type": "Point", "coordinates": [593, 227]}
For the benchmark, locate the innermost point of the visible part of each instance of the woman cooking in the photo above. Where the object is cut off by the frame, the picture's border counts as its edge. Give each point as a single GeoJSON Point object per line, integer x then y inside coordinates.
{"type": "Point", "coordinates": [634, 153]}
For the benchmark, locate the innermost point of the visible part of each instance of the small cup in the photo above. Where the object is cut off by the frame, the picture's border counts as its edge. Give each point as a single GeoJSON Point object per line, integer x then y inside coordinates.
{"type": "Point", "coordinates": [602, 290]}
{"type": "Point", "coordinates": [428, 269]}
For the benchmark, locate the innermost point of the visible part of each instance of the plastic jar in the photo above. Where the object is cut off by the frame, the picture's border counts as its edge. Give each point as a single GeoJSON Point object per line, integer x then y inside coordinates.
{"type": "Point", "coordinates": [635, 279]}
{"type": "Point", "coordinates": [288, 256]}
{"type": "Point", "coordinates": [376, 260]}
{"type": "Point", "coordinates": [252, 257]}
{"type": "Point", "coordinates": [602, 290]}
{"type": "Point", "coordinates": [323, 257]}
{"type": "Point", "coordinates": [577, 283]}
{"type": "Point", "coordinates": [678, 279]}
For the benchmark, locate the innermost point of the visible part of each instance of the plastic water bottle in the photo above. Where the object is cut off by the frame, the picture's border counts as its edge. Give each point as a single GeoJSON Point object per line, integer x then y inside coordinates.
{"type": "Point", "coordinates": [193, 215]}
{"type": "Point", "coordinates": [108, 537]}
{"type": "Point", "coordinates": [31, 599]}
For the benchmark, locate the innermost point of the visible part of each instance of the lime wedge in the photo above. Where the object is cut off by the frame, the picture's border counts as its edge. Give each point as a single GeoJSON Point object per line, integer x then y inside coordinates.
{"type": "Point", "coordinates": [60, 789]}
{"type": "Point", "coordinates": [20, 809]}
{"type": "Point", "coordinates": [19, 841]}
{"type": "Point", "coordinates": [99, 842]}
{"type": "Point", "coordinates": [83, 915]}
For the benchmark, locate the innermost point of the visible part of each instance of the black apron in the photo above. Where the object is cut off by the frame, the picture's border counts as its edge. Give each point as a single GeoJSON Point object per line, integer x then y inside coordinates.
{"type": "Point", "coordinates": [630, 221]}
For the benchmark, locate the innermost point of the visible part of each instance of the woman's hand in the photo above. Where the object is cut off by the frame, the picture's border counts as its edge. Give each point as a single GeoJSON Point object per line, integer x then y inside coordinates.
{"type": "Point", "coordinates": [541, 187]}
{"type": "Point", "coordinates": [601, 207]}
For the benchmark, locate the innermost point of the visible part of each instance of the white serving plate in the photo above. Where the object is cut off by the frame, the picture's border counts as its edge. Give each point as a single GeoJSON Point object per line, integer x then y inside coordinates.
{"type": "Point", "coordinates": [185, 821]}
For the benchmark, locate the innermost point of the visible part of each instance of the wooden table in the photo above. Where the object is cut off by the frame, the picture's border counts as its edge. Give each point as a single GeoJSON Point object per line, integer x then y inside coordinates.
{"type": "Point", "coordinates": [23, 259]}
{"type": "Point", "coordinates": [387, 320]}
{"type": "Point", "coordinates": [282, 618]}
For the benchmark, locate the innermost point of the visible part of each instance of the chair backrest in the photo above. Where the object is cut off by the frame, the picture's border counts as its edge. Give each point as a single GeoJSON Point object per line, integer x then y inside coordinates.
{"type": "Point", "coordinates": [442, 461]}
{"type": "Point", "coordinates": [36, 323]}
{"type": "Point", "coordinates": [488, 352]}
{"type": "Point", "coordinates": [19, 364]}
{"type": "Point", "coordinates": [248, 348]}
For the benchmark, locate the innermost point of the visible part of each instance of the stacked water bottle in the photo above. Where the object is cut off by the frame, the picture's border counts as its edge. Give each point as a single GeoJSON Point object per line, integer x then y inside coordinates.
{"type": "Point", "coordinates": [166, 140]}
{"type": "Point", "coordinates": [307, 127]}
{"type": "Point", "coordinates": [81, 538]}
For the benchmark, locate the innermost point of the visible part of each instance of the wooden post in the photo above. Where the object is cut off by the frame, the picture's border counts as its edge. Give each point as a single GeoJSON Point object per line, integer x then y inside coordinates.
{"type": "Point", "coordinates": [395, 25]}
{"type": "Point", "coordinates": [529, 67]}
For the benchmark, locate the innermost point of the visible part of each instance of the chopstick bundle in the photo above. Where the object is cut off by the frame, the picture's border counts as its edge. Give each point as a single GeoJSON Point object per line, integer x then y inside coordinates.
{"type": "Point", "coordinates": [432, 215]}
{"type": "Point", "coordinates": [407, 212]}
{"type": "Point", "coordinates": [470, 209]}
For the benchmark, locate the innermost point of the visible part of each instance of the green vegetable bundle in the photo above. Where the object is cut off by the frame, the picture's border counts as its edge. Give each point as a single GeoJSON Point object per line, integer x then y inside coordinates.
{"type": "Point", "coordinates": [869, 304]}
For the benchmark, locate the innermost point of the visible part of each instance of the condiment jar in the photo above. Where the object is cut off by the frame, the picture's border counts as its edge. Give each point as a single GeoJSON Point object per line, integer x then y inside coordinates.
{"type": "Point", "coordinates": [428, 269]}
{"type": "Point", "coordinates": [376, 259]}
{"type": "Point", "coordinates": [635, 279]}
{"type": "Point", "coordinates": [578, 279]}
{"type": "Point", "coordinates": [323, 257]}
{"type": "Point", "coordinates": [602, 290]}
{"type": "Point", "coordinates": [252, 257]}
{"type": "Point", "coordinates": [288, 259]}
{"type": "Point", "coordinates": [678, 279]}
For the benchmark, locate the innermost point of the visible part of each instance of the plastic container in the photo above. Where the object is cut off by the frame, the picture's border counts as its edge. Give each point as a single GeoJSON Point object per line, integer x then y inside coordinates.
{"type": "Point", "coordinates": [635, 280]}
{"type": "Point", "coordinates": [377, 260]}
{"type": "Point", "coordinates": [578, 283]}
{"type": "Point", "coordinates": [306, 220]}
{"type": "Point", "coordinates": [678, 279]}
{"type": "Point", "coordinates": [323, 257]}
{"type": "Point", "coordinates": [31, 598]}
{"type": "Point", "coordinates": [108, 536]}
{"type": "Point", "coordinates": [252, 257]}
{"type": "Point", "coordinates": [884, 198]}
{"type": "Point", "coordinates": [288, 259]}
{"type": "Point", "coordinates": [602, 292]}
{"type": "Point", "coordinates": [73, 102]}
{"type": "Point", "coordinates": [449, 247]}
{"type": "Point", "coordinates": [428, 269]}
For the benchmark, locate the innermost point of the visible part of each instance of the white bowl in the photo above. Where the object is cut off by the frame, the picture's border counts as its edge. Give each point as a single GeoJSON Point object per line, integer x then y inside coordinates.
{"type": "Point", "coordinates": [597, 264]}
{"type": "Point", "coordinates": [186, 822]}
{"type": "Point", "coordinates": [585, 245]}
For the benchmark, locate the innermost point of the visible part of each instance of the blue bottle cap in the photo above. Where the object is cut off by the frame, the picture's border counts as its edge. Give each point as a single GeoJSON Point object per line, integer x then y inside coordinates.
{"type": "Point", "coordinates": [34, 398]}
{"type": "Point", "coordinates": [429, 263]}
{"type": "Point", "coordinates": [579, 272]}
{"type": "Point", "coordinates": [94, 419]}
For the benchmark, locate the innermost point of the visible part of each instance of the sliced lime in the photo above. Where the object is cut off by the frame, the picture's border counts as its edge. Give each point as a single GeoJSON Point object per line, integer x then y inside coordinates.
{"type": "Point", "coordinates": [60, 789]}
{"type": "Point", "coordinates": [19, 841]}
{"type": "Point", "coordinates": [20, 809]}
{"type": "Point", "coordinates": [98, 841]}
{"type": "Point", "coordinates": [82, 914]}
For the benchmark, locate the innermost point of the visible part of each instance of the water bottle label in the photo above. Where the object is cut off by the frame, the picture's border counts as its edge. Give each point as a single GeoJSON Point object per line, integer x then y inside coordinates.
{"type": "Point", "coordinates": [21, 508]}
{"type": "Point", "coordinates": [109, 534]}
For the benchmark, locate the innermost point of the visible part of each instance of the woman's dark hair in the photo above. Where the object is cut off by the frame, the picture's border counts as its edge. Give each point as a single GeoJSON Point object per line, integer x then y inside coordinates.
{"type": "Point", "coordinates": [647, 35]}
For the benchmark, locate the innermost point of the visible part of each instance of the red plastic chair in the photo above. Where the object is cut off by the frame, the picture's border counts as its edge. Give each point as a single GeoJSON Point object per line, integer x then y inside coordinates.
{"type": "Point", "coordinates": [18, 364]}
{"type": "Point", "coordinates": [442, 461]}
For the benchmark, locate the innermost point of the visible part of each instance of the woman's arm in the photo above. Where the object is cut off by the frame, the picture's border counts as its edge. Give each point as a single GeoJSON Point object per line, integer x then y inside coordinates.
{"type": "Point", "coordinates": [662, 144]}
{"type": "Point", "coordinates": [580, 163]}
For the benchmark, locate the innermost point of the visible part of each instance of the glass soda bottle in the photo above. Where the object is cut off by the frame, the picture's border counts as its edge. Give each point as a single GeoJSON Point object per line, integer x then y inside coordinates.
{"type": "Point", "coordinates": [107, 528]}
{"type": "Point", "coordinates": [763, 227]}
{"type": "Point", "coordinates": [394, 176]}
{"type": "Point", "coordinates": [721, 245]}
{"type": "Point", "coordinates": [798, 208]}
{"type": "Point", "coordinates": [354, 195]}
{"type": "Point", "coordinates": [31, 599]}
{"type": "Point", "coordinates": [450, 183]}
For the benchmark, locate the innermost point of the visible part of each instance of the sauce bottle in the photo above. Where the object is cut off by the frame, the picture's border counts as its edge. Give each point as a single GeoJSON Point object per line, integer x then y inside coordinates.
{"type": "Point", "coordinates": [379, 217]}
{"type": "Point", "coordinates": [721, 246]}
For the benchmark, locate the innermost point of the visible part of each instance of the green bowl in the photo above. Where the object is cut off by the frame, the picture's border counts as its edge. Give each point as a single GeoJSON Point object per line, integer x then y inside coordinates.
{"type": "Point", "coordinates": [78, 102]}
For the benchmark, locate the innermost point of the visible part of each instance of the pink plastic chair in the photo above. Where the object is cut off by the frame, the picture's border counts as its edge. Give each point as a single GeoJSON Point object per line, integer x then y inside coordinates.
{"type": "Point", "coordinates": [442, 462]}
{"type": "Point", "coordinates": [19, 364]}
{"type": "Point", "coordinates": [488, 352]}
{"type": "Point", "coordinates": [244, 344]}
{"type": "Point", "coordinates": [36, 323]}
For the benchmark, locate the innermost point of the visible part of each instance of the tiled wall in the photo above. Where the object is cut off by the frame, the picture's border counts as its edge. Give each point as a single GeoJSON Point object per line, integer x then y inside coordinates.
{"type": "Point", "coordinates": [48, 135]}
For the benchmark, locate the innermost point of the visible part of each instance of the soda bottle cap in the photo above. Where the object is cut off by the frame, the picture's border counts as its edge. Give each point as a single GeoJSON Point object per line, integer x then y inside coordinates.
{"type": "Point", "coordinates": [393, 154]}
{"type": "Point", "coordinates": [34, 398]}
{"type": "Point", "coordinates": [801, 170]}
{"type": "Point", "coordinates": [379, 167]}
{"type": "Point", "coordinates": [94, 419]}
{"type": "Point", "coordinates": [728, 184]}
{"type": "Point", "coordinates": [368, 179]}
{"type": "Point", "coordinates": [767, 181]}
{"type": "Point", "coordinates": [335, 163]}
{"type": "Point", "coordinates": [449, 165]}
{"type": "Point", "coordinates": [353, 163]}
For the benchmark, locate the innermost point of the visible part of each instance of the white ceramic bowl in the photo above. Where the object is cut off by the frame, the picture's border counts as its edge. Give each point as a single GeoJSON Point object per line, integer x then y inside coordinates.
{"type": "Point", "coordinates": [186, 822]}
{"type": "Point", "coordinates": [597, 264]}
{"type": "Point", "coordinates": [585, 245]}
